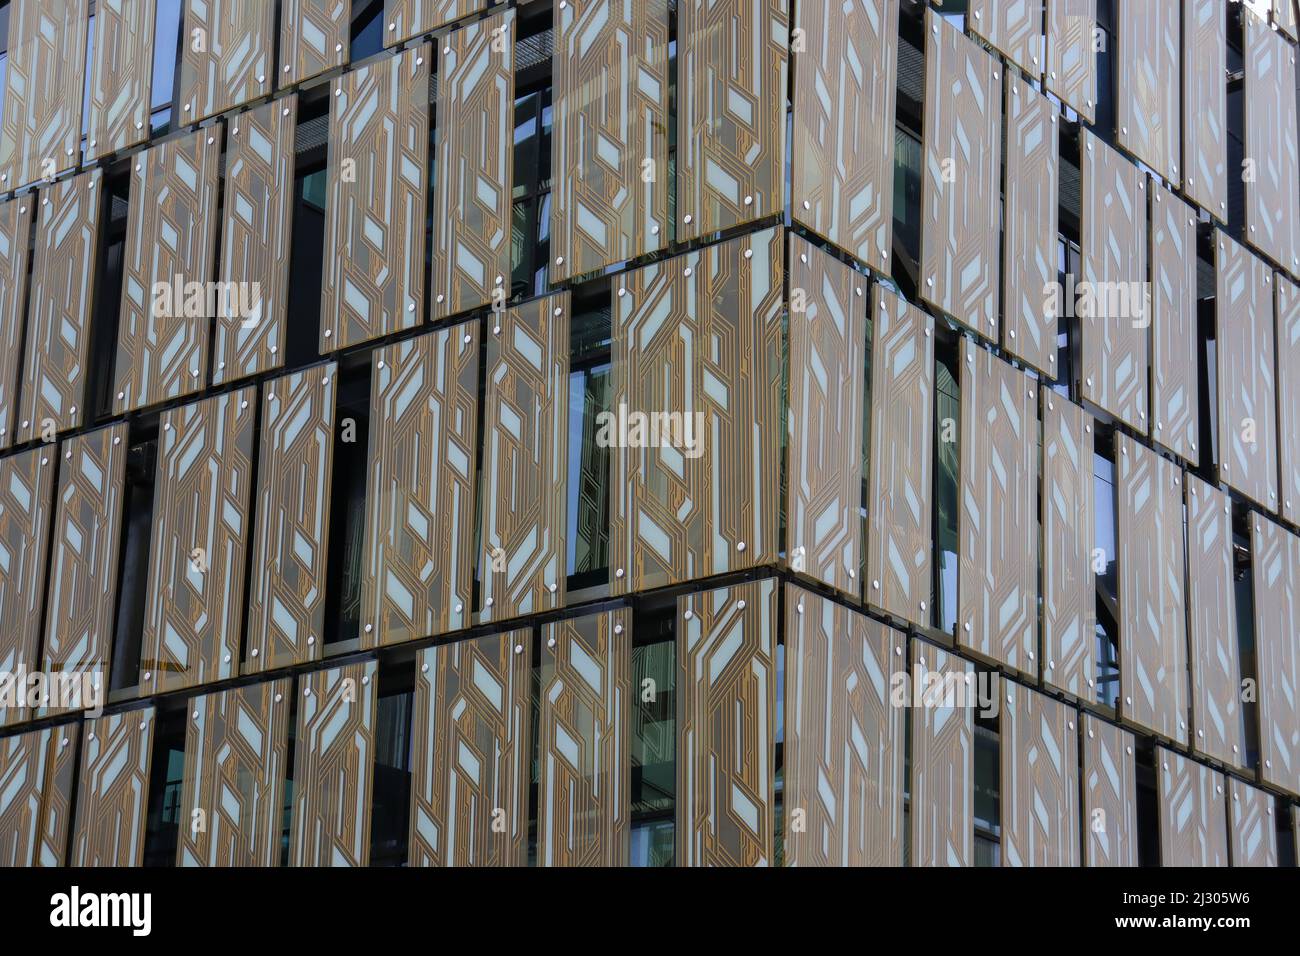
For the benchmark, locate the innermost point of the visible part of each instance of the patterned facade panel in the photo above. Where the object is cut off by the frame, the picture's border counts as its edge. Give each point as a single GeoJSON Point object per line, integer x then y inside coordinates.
{"type": "Point", "coordinates": [584, 762]}
{"type": "Point", "coordinates": [1275, 578]}
{"type": "Point", "coordinates": [418, 562]}
{"type": "Point", "coordinates": [962, 178]}
{"type": "Point", "coordinates": [226, 56]}
{"type": "Point", "coordinates": [1252, 832]}
{"type": "Point", "coordinates": [37, 777]}
{"type": "Point", "coordinates": [525, 460]}
{"type": "Point", "coordinates": [1109, 795]}
{"type": "Point", "coordinates": [1284, 15]}
{"type": "Point", "coordinates": [1072, 55]}
{"type": "Point", "coordinates": [697, 371]}
{"type": "Point", "coordinates": [1288, 395]}
{"type": "Point", "coordinates": [314, 37]}
{"type": "Point", "coordinates": [475, 166]}
{"type": "Point", "coordinates": [121, 75]}
{"type": "Point", "coordinates": [232, 792]}
{"type": "Point", "coordinates": [1069, 583]}
{"type": "Point", "coordinates": [943, 759]}
{"type": "Point", "coordinates": [472, 747]}
{"type": "Point", "coordinates": [40, 129]}
{"type": "Point", "coordinates": [1216, 668]}
{"type": "Point", "coordinates": [201, 525]}
{"type": "Point", "coordinates": [1205, 104]}
{"type": "Point", "coordinates": [899, 543]}
{"type": "Point", "coordinates": [844, 750]}
{"type": "Point", "coordinates": [1192, 811]}
{"type": "Point", "coordinates": [15, 230]}
{"type": "Point", "coordinates": [1014, 29]}
{"type": "Point", "coordinates": [1147, 84]}
{"type": "Point", "coordinates": [1032, 205]}
{"type": "Point", "coordinates": [845, 85]}
{"type": "Point", "coordinates": [1272, 151]}
{"type": "Point", "coordinates": [286, 603]}
{"type": "Point", "coordinates": [404, 19]}
{"type": "Point", "coordinates": [1175, 396]}
{"type": "Point", "coordinates": [1112, 307]}
{"type": "Point", "coordinates": [997, 604]}
{"type": "Point", "coordinates": [1040, 780]}
{"type": "Point", "coordinates": [731, 57]}
{"type": "Point", "coordinates": [26, 496]}
{"type": "Point", "coordinates": [610, 140]}
{"type": "Point", "coordinates": [1247, 390]}
{"type": "Point", "coordinates": [171, 237]}
{"type": "Point", "coordinates": [255, 232]}
{"type": "Point", "coordinates": [113, 790]}
{"type": "Point", "coordinates": [56, 366]}
{"type": "Point", "coordinates": [1152, 598]}
{"type": "Point", "coordinates": [333, 766]}
{"type": "Point", "coordinates": [82, 591]}
{"type": "Point", "coordinates": [373, 281]}
{"type": "Point", "coordinates": [827, 347]}
{"type": "Point", "coordinates": [726, 653]}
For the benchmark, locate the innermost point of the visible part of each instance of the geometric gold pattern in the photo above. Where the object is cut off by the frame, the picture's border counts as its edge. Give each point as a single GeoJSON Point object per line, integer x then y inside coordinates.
{"type": "Point", "coordinates": [26, 499]}
{"type": "Point", "coordinates": [943, 759]}
{"type": "Point", "coordinates": [1109, 795]}
{"type": "Point", "coordinates": [1288, 394]}
{"type": "Point", "coordinates": [404, 19]}
{"type": "Point", "coordinates": [15, 230]}
{"type": "Point", "coordinates": [1275, 573]}
{"type": "Point", "coordinates": [1147, 81]}
{"type": "Point", "coordinates": [1040, 783]}
{"type": "Point", "coordinates": [113, 789]}
{"type": "Point", "coordinates": [226, 56]}
{"type": "Point", "coordinates": [1271, 149]}
{"type": "Point", "coordinates": [121, 75]}
{"type": "Point", "coordinates": [314, 38]}
{"type": "Point", "coordinates": [37, 777]}
{"type": "Point", "coordinates": [1174, 380]}
{"type": "Point", "coordinates": [1192, 810]}
{"type": "Point", "coordinates": [1205, 105]}
{"type": "Point", "coordinates": [1071, 54]}
{"type": "Point", "coordinates": [1251, 828]}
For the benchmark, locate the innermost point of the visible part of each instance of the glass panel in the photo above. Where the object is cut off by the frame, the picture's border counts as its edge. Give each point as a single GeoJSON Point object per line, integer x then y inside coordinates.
{"type": "Point", "coordinates": [652, 843]}
{"type": "Point", "coordinates": [907, 193]}
{"type": "Point", "coordinates": [1107, 583]}
{"type": "Point", "coordinates": [167, 31]}
{"type": "Point", "coordinates": [654, 727]}
{"type": "Point", "coordinates": [392, 783]}
{"type": "Point", "coordinates": [947, 410]}
{"type": "Point", "coordinates": [588, 509]}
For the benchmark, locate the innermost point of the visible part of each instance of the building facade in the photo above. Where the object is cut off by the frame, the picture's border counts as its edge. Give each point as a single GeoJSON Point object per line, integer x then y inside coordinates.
{"type": "Point", "coordinates": [649, 432]}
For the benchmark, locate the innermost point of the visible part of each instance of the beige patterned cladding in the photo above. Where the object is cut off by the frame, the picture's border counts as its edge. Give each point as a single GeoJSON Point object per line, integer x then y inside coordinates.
{"type": "Point", "coordinates": [1031, 209]}
{"type": "Point", "coordinates": [471, 751]}
{"type": "Point", "coordinates": [1273, 197]}
{"type": "Point", "coordinates": [1114, 317]}
{"type": "Point", "coordinates": [82, 589]}
{"type": "Point", "coordinates": [286, 603]}
{"type": "Point", "coordinates": [726, 711]}
{"type": "Point", "coordinates": [315, 37]}
{"type": "Point", "coordinates": [171, 237]}
{"type": "Point", "coordinates": [26, 499]}
{"type": "Point", "coordinates": [731, 120]}
{"type": "Point", "coordinates": [997, 605]}
{"type": "Point", "coordinates": [57, 356]}
{"type": "Point", "coordinates": [37, 779]}
{"type": "Point", "coordinates": [1247, 392]}
{"type": "Point", "coordinates": [1193, 818]}
{"type": "Point", "coordinates": [610, 134]}
{"type": "Point", "coordinates": [1216, 669]}
{"type": "Point", "coordinates": [333, 766]}
{"type": "Point", "coordinates": [1152, 594]}
{"type": "Point", "coordinates": [418, 561]}
{"type": "Point", "coordinates": [1071, 54]}
{"type": "Point", "coordinates": [113, 790]}
{"type": "Point", "coordinates": [1252, 833]}
{"type": "Point", "coordinates": [255, 235]}
{"type": "Point", "coordinates": [1148, 99]}
{"type": "Point", "coordinates": [202, 492]}
{"type": "Point", "coordinates": [1068, 515]}
{"type": "Point", "coordinates": [1288, 394]}
{"type": "Point", "coordinates": [844, 737]}
{"type": "Point", "coordinates": [1013, 27]}
{"type": "Point", "coordinates": [15, 228]}
{"type": "Point", "coordinates": [226, 56]}
{"type": "Point", "coordinates": [698, 335]}
{"type": "Point", "coordinates": [845, 85]}
{"type": "Point", "coordinates": [1109, 795]}
{"type": "Point", "coordinates": [1284, 15]}
{"type": "Point", "coordinates": [373, 284]}
{"type": "Point", "coordinates": [899, 544]}
{"type": "Point", "coordinates": [474, 167]}
{"type": "Point", "coordinates": [584, 764]}
{"type": "Point", "coordinates": [404, 19]}
{"type": "Point", "coordinates": [942, 791]}
{"type": "Point", "coordinates": [1175, 395]}
{"type": "Point", "coordinates": [1205, 105]}
{"type": "Point", "coordinates": [1275, 580]}
{"type": "Point", "coordinates": [525, 463]}
{"type": "Point", "coordinates": [827, 346]}
{"type": "Point", "coordinates": [232, 791]}
{"type": "Point", "coordinates": [960, 210]}
{"type": "Point", "coordinates": [1040, 783]}
{"type": "Point", "coordinates": [121, 76]}
{"type": "Point", "coordinates": [40, 128]}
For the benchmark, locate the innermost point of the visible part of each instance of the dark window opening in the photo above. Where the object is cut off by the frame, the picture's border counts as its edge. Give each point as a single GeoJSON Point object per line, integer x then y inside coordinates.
{"type": "Point", "coordinates": [1243, 591]}
{"type": "Point", "coordinates": [654, 737]}
{"type": "Point", "coordinates": [530, 228]}
{"type": "Point", "coordinates": [391, 801]}
{"type": "Point", "coordinates": [367, 30]}
{"type": "Point", "coordinates": [109, 270]}
{"type": "Point", "coordinates": [947, 476]}
{"type": "Point", "coordinates": [166, 779]}
{"type": "Point", "coordinates": [307, 247]}
{"type": "Point", "coordinates": [590, 389]}
{"type": "Point", "coordinates": [166, 62]}
{"type": "Point", "coordinates": [1148, 804]}
{"type": "Point", "coordinates": [348, 503]}
{"type": "Point", "coordinates": [988, 787]}
{"type": "Point", "coordinates": [133, 561]}
{"type": "Point", "coordinates": [1105, 541]}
